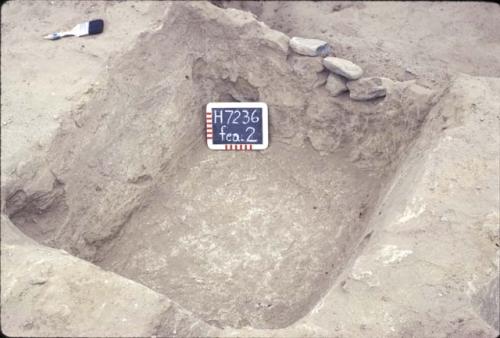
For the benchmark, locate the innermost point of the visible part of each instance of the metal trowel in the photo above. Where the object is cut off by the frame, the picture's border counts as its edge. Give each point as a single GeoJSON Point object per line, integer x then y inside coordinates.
{"type": "Point", "coordinates": [86, 28]}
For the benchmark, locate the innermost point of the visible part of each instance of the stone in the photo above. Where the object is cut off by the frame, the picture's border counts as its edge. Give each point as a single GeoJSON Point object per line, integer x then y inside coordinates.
{"type": "Point", "coordinates": [335, 84]}
{"type": "Point", "coordinates": [306, 67]}
{"type": "Point", "coordinates": [366, 89]}
{"type": "Point", "coordinates": [343, 67]}
{"type": "Point", "coordinates": [310, 47]}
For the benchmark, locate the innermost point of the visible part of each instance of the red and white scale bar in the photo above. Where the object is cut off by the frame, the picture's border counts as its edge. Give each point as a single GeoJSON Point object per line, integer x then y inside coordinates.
{"type": "Point", "coordinates": [210, 132]}
{"type": "Point", "coordinates": [210, 136]}
{"type": "Point", "coordinates": [238, 147]}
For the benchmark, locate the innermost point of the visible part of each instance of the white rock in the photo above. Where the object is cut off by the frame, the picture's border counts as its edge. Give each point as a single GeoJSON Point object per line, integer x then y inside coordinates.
{"type": "Point", "coordinates": [335, 84]}
{"type": "Point", "coordinates": [343, 67]}
{"type": "Point", "coordinates": [309, 47]}
{"type": "Point", "coordinates": [367, 88]}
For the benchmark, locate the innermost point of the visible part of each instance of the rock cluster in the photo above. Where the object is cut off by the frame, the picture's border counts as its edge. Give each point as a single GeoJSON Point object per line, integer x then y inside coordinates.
{"type": "Point", "coordinates": [344, 74]}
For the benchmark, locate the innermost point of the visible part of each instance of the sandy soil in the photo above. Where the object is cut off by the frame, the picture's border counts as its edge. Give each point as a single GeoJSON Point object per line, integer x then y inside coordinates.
{"type": "Point", "coordinates": [427, 41]}
{"type": "Point", "coordinates": [103, 156]}
{"type": "Point", "coordinates": [43, 79]}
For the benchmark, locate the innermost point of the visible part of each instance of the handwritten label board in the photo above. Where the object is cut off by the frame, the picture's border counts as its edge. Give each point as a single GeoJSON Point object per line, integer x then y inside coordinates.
{"type": "Point", "coordinates": [237, 125]}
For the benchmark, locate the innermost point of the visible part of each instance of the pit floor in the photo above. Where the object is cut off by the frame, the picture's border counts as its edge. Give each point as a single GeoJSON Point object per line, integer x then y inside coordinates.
{"type": "Point", "coordinates": [257, 246]}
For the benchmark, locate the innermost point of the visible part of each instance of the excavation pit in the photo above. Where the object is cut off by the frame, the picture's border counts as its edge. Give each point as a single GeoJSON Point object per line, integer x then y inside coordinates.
{"type": "Point", "coordinates": [238, 238]}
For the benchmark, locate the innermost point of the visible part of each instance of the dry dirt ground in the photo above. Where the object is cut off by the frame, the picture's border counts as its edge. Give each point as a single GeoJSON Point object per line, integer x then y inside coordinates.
{"type": "Point", "coordinates": [375, 218]}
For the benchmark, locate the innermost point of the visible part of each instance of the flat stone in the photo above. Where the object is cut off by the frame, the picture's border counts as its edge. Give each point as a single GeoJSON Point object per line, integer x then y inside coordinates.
{"type": "Point", "coordinates": [310, 47]}
{"type": "Point", "coordinates": [335, 84]}
{"type": "Point", "coordinates": [343, 67]}
{"type": "Point", "coordinates": [366, 89]}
